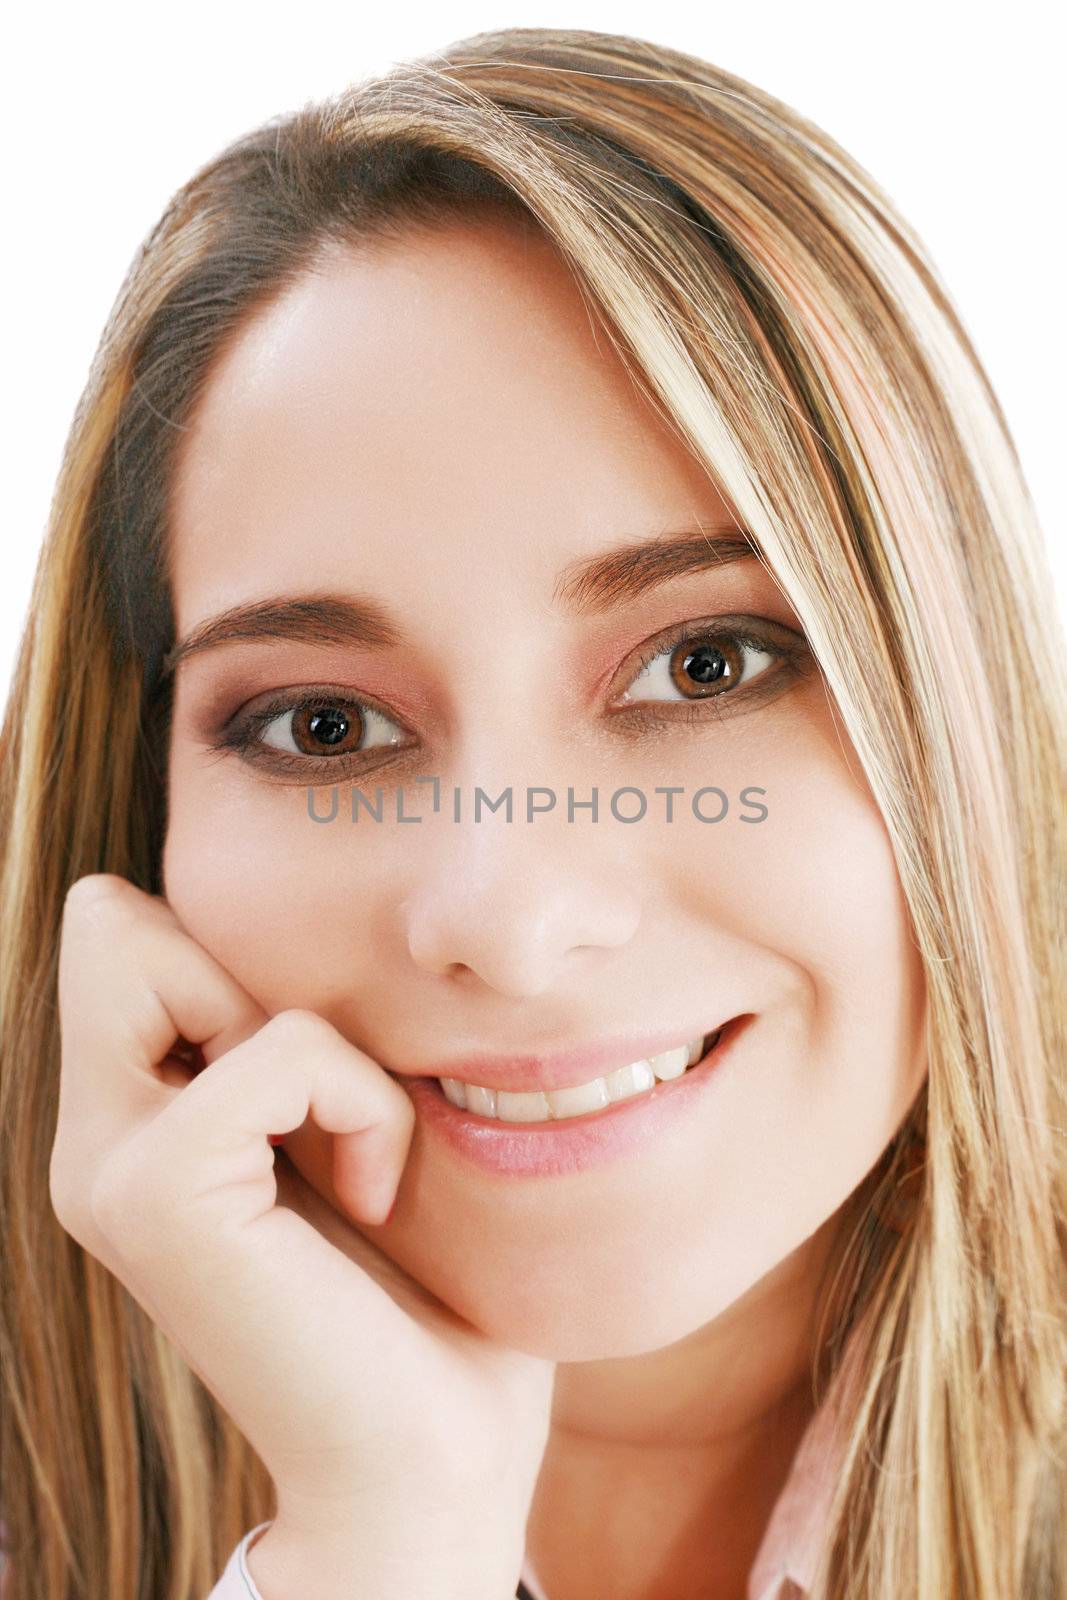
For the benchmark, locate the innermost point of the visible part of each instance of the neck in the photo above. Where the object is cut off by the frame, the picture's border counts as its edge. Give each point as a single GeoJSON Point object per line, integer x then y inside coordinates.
{"type": "Point", "coordinates": [642, 1524]}
{"type": "Point", "coordinates": [661, 1470]}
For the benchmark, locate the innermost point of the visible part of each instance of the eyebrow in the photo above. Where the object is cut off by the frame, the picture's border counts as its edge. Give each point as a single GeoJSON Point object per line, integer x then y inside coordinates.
{"type": "Point", "coordinates": [587, 587]}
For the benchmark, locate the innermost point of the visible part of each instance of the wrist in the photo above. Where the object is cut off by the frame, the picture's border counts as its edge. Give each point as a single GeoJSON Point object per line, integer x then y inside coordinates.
{"type": "Point", "coordinates": [350, 1563]}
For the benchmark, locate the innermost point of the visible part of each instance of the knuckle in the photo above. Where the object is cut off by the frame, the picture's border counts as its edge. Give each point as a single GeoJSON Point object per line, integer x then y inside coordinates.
{"type": "Point", "coordinates": [299, 1025]}
{"type": "Point", "coordinates": [94, 896]}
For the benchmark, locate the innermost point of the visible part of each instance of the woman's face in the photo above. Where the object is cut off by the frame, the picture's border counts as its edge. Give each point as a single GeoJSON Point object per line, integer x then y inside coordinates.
{"type": "Point", "coordinates": [435, 428]}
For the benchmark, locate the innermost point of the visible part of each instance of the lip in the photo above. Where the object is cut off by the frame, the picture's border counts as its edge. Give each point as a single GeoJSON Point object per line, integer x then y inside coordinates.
{"type": "Point", "coordinates": [558, 1069]}
{"type": "Point", "coordinates": [572, 1144]}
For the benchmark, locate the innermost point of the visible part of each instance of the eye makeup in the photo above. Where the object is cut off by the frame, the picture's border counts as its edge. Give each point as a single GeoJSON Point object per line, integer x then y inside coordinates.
{"type": "Point", "coordinates": [714, 663]}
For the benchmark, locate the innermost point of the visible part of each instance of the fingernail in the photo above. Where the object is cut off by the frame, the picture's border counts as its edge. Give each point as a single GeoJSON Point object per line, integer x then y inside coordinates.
{"type": "Point", "coordinates": [275, 1138]}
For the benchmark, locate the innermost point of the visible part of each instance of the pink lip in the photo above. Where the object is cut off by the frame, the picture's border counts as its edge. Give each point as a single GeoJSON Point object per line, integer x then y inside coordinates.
{"type": "Point", "coordinates": [574, 1143]}
{"type": "Point", "coordinates": [557, 1069]}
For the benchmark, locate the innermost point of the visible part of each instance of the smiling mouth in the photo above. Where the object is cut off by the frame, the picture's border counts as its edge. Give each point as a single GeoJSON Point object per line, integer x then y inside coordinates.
{"type": "Point", "coordinates": [559, 1105]}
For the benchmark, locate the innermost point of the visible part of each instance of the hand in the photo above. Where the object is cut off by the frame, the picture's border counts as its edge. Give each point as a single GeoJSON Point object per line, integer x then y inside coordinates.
{"type": "Point", "coordinates": [364, 1395]}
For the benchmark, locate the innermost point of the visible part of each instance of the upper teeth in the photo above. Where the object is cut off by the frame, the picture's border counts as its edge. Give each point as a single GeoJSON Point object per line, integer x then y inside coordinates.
{"type": "Point", "coordinates": [541, 1106]}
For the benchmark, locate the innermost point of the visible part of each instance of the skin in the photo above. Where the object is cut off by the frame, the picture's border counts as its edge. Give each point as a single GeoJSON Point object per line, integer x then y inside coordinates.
{"type": "Point", "coordinates": [435, 423]}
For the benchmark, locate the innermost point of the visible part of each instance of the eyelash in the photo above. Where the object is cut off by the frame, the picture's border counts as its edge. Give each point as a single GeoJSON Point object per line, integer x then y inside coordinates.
{"type": "Point", "coordinates": [240, 735]}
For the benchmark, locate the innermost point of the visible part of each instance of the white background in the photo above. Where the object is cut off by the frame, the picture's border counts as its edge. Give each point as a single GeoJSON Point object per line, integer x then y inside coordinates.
{"type": "Point", "coordinates": [108, 108]}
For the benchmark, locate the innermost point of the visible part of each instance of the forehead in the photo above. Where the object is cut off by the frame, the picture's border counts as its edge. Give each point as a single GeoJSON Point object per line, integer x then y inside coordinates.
{"type": "Point", "coordinates": [430, 400]}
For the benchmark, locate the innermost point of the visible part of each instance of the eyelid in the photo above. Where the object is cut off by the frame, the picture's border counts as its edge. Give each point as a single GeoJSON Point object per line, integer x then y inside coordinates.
{"type": "Point", "coordinates": [240, 730]}
{"type": "Point", "coordinates": [314, 694]}
{"type": "Point", "coordinates": [757, 633]}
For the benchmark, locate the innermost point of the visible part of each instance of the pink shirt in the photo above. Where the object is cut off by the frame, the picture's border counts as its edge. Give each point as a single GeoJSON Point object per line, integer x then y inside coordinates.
{"type": "Point", "coordinates": [784, 1566]}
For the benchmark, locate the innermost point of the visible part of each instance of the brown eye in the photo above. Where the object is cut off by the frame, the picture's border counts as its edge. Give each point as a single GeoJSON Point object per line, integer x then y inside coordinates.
{"type": "Point", "coordinates": [326, 728]}
{"type": "Point", "coordinates": [707, 669]}
{"type": "Point", "coordinates": [322, 730]}
{"type": "Point", "coordinates": [310, 730]}
{"type": "Point", "coordinates": [702, 666]}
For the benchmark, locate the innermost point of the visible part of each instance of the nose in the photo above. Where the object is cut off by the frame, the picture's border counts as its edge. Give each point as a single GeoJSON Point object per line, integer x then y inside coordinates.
{"type": "Point", "coordinates": [514, 904]}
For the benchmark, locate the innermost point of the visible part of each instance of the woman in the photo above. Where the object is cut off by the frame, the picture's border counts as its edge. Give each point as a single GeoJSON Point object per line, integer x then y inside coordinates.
{"type": "Point", "coordinates": [463, 437]}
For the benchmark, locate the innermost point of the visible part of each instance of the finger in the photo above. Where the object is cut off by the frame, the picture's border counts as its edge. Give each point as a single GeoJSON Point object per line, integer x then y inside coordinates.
{"type": "Point", "coordinates": [131, 984]}
{"type": "Point", "coordinates": [297, 1065]}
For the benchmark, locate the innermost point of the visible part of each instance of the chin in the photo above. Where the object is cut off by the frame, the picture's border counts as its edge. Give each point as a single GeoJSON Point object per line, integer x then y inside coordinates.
{"type": "Point", "coordinates": [570, 1324]}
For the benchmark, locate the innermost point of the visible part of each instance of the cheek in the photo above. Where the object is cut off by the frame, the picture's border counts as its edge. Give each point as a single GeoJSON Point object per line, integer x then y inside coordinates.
{"type": "Point", "coordinates": [811, 892]}
{"type": "Point", "coordinates": [806, 901]}
{"type": "Point", "coordinates": [808, 906]}
{"type": "Point", "coordinates": [828, 896]}
{"type": "Point", "coordinates": [255, 881]}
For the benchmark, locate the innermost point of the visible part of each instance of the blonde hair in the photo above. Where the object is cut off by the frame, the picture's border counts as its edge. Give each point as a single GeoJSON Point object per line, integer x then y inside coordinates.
{"type": "Point", "coordinates": [791, 330]}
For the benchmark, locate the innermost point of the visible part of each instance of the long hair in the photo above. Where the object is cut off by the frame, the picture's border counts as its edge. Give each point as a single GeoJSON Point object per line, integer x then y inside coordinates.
{"type": "Point", "coordinates": [791, 330]}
